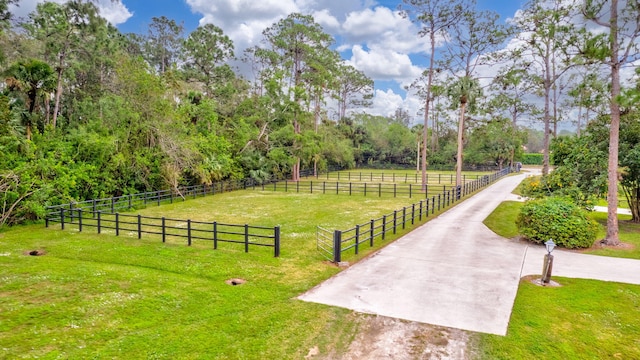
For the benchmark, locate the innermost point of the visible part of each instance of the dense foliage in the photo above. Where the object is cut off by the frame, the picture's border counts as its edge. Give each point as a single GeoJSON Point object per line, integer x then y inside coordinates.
{"type": "Point", "coordinates": [557, 219]}
{"type": "Point", "coordinates": [581, 165]}
{"type": "Point", "coordinates": [89, 112]}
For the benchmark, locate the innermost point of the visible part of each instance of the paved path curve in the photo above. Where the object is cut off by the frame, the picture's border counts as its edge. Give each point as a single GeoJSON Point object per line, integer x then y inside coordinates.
{"type": "Point", "coordinates": [455, 272]}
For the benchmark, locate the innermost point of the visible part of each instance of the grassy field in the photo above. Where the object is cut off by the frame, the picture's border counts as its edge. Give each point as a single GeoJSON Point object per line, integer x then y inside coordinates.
{"type": "Point", "coordinates": [102, 296]}
{"type": "Point", "coordinates": [582, 319]}
{"type": "Point", "coordinates": [502, 222]}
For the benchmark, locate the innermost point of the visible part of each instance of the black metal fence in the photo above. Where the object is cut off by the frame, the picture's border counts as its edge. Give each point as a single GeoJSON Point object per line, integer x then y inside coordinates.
{"type": "Point", "coordinates": [351, 188]}
{"type": "Point", "coordinates": [136, 225]}
{"type": "Point", "coordinates": [332, 244]}
{"type": "Point", "coordinates": [142, 200]}
{"type": "Point", "coordinates": [415, 178]}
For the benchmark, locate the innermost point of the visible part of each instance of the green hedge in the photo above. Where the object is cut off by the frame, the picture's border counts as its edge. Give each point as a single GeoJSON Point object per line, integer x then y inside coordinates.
{"type": "Point", "coordinates": [532, 159]}
{"type": "Point", "coordinates": [558, 219]}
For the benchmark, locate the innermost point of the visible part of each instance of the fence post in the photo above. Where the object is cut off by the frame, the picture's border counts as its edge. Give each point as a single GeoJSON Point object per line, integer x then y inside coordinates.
{"type": "Point", "coordinates": [438, 202]}
{"type": "Point", "coordinates": [384, 225]}
{"type": "Point", "coordinates": [117, 224]}
{"type": "Point", "coordinates": [80, 220]}
{"type": "Point", "coordinates": [286, 185]}
{"type": "Point", "coordinates": [113, 205]}
{"type": "Point", "coordinates": [420, 211]}
{"type": "Point", "coordinates": [395, 220]}
{"type": "Point", "coordinates": [99, 221]}
{"type": "Point", "coordinates": [140, 225]}
{"type": "Point", "coordinates": [365, 189]}
{"type": "Point", "coordinates": [357, 237]}
{"type": "Point", "coordinates": [413, 213]}
{"type": "Point", "coordinates": [311, 187]}
{"type": "Point", "coordinates": [276, 241]}
{"type": "Point", "coordinates": [350, 186]}
{"type": "Point", "coordinates": [215, 235]}
{"type": "Point", "coordinates": [164, 230]}
{"type": "Point", "coordinates": [246, 238]}
{"type": "Point", "coordinates": [404, 216]}
{"type": "Point", "coordinates": [338, 185]}
{"type": "Point", "coordinates": [373, 224]}
{"type": "Point", "coordinates": [394, 188]}
{"type": "Point", "coordinates": [189, 232]}
{"type": "Point", "coordinates": [410, 192]}
{"type": "Point", "coordinates": [93, 207]}
{"type": "Point", "coordinates": [62, 218]}
{"type": "Point", "coordinates": [379, 189]}
{"type": "Point", "coordinates": [433, 205]}
{"type": "Point", "coordinates": [337, 246]}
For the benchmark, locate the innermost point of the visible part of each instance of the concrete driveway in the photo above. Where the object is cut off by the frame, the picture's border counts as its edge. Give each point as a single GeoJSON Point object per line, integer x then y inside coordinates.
{"type": "Point", "coordinates": [455, 272]}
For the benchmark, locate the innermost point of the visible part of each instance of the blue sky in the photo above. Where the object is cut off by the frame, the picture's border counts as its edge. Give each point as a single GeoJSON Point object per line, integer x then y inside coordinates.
{"type": "Point", "coordinates": [370, 34]}
{"type": "Point", "coordinates": [179, 10]}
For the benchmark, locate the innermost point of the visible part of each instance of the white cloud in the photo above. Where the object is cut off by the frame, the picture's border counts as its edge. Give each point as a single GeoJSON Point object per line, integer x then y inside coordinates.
{"type": "Point", "coordinates": [243, 20]}
{"type": "Point", "coordinates": [385, 102]}
{"type": "Point", "coordinates": [384, 64]}
{"type": "Point", "coordinates": [329, 22]}
{"type": "Point", "coordinates": [114, 12]}
{"type": "Point", "coordinates": [382, 27]}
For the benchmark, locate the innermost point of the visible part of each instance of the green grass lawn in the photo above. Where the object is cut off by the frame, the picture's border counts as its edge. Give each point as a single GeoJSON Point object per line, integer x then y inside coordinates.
{"type": "Point", "coordinates": [582, 319]}
{"type": "Point", "coordinates": [102, 296]}
{"type": "Point", "coordinates": [502, 222]}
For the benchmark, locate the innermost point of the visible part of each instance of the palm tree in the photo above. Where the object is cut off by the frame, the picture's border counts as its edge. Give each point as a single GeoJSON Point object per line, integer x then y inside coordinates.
{"type": "Point", "coordinates": [30, 78]}
{"type": "Point", "coordinates": [463, 93]}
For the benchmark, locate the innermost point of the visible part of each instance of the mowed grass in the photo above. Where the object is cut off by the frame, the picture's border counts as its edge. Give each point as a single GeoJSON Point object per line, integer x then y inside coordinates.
{"type": "Point", "coordinates": [503, 219]}
{"type": "Point", "coordinates": [502, 222]}
{"type": "Point", "coordinates": [102, 296]}
{"type": "Point", "coordinates": [582, 319]}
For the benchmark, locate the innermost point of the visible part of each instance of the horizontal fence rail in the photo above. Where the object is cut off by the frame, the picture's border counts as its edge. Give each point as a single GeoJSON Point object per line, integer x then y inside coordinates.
{"type": "Point", "coordinates": [363, 189]}
{"type": "Point", "coordinates": [103, 214]}
{"type": "Point", "coordinates": [142, 200]}
{"type": "Point", "coordinates": [406, 178]}
{"type": "Point", "coordinates": [365, 233]}
{"type": "Point", "coordinates": [189, 230]}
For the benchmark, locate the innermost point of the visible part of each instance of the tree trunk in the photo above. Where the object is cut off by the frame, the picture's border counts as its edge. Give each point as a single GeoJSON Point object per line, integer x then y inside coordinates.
{"type": "Point", "coordinates": [547, 116]}
{"type": "Point", "coordinates": [612, 237]}
{"type": "Point", "coordinates": [633, 198]}
{"type": "Point", "coordinates": [56, 106]}
{"type": "Point", "coordinates": [425, 133]}
{"type": "Point", "coordinates": [463, 106]}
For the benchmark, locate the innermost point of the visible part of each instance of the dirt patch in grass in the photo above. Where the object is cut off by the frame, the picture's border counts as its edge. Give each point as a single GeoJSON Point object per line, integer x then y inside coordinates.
{"type": "Point", "coordinates": [36, 252]}
{"type": "Point", "coordinates": [380, 337]}
{"type": "Point", "coordinates": [235, 281]}
{"type": "Point", "coordinates": [621, 246]}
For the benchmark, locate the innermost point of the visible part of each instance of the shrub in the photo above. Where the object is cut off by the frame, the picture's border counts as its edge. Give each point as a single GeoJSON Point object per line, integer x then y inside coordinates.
{"type": "Point", "coordinates": [555, 184]}
{"type": "Point", "coordinates": [532, 159]}
{"type": "Point", "coordinates": [558, 219]}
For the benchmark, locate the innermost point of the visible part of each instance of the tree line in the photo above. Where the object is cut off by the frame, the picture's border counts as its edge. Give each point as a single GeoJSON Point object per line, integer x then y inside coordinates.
{"type": "Point", "coordinates": [87, 111]}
